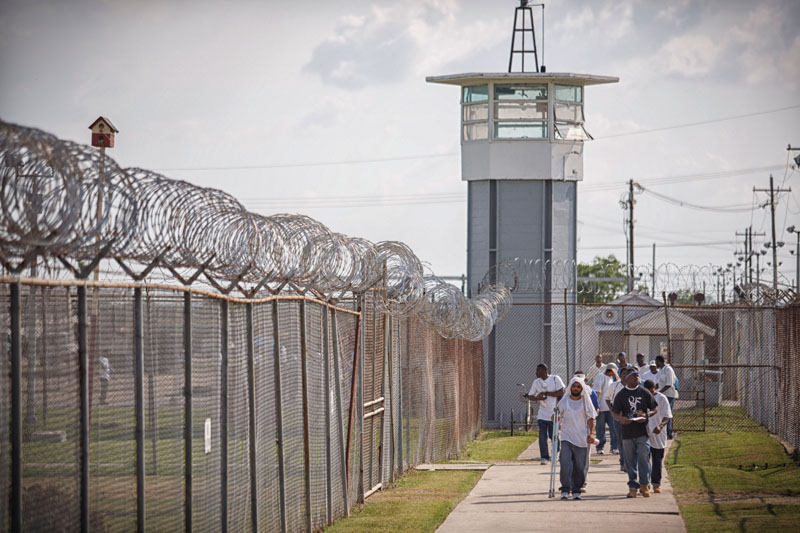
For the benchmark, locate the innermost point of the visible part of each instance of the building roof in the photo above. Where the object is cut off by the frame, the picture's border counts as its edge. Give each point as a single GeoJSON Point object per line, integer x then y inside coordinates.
{"type": "Point", "coordinates": [655, 323]}
{"type": "Point", "coordinates": [568, 78]}
{"type": "Point", "coordinates": [104, 119]}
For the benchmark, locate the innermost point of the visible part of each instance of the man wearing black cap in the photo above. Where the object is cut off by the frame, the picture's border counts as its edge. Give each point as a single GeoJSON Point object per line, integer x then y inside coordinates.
{"type": "Point", "coordinates": [631, 407]}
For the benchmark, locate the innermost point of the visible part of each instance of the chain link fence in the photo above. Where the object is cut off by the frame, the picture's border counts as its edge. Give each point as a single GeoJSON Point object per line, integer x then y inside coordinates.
{"type": "Point", "coordinates": [730, 361]}
{"type": "Point", "coordinates": [174, 410]}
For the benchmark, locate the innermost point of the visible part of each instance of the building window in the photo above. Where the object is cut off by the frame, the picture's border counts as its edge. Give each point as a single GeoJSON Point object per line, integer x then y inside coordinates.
{"type": "Point", "coordinates": [475, 113]}
{"type": "Point", "coordinates": [520, 111]}
{"type": "Point", "coordinates": [568, 114]}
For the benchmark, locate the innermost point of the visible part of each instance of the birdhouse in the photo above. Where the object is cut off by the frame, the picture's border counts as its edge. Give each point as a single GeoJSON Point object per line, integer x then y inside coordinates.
{"type": "Point", "coordinates": [103, 133]}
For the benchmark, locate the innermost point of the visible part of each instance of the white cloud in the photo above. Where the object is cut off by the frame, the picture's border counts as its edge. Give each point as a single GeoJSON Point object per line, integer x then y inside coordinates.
{"type": "Point", "coordinates": [690, 55]}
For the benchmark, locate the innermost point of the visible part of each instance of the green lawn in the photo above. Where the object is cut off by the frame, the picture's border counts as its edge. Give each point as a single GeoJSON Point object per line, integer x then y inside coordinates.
{"type": "Point", "coordinates": [734, 481]}
{"type": "Point", "coordinates": [498, 445]}
{"type": "Point", "coordinates": [420, 501]}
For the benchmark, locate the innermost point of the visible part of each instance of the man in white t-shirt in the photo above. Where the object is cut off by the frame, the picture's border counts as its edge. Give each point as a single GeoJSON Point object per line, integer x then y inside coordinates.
{"type": "Point", "coordinates": [650, 373]}
{"type": "Point", "coordinates": [665, 380]}
{"type": "Point", "coordinates": [577, 433]}
{"type": "Point", "coordinates": [641, 364]}
{"type": "Point", "coordinates": [595, 370]}
{"type": "Point", "coordinates": [655, 432]}
{"type": "Point", "coordinates": [601, 384]}
{"type": "Point", "coordinates": [545, 391]}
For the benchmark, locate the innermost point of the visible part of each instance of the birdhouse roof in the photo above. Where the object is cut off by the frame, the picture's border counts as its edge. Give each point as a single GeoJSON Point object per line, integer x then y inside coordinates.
{"type": "Point", "coordinates": [108, 123]}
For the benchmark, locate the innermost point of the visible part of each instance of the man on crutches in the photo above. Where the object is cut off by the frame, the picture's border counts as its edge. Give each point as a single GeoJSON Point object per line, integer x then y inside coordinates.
{"type": "Point", "coordinates": [575, 416]}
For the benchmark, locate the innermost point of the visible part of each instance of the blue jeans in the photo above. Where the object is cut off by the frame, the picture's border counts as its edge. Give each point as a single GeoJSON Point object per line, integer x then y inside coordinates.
{"type": "Point", "coordinates": [604, 419]}
{"type": "Point", "coordinates": [657, 455]}
{"type": "Point", "coordinates": [671, 402]}
{"type": "Point", "coordinates": [617, 430]}
{"type": "Point", "coordinates": [573, 462]}
{"type": "Point", "coordinates": [545, 434]}
{"type": "Point", "coordinates": [637, 459]}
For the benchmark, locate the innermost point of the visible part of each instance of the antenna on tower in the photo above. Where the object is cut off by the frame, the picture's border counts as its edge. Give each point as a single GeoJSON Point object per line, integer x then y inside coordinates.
{"type": "Point", "coordinates": [524, 14]}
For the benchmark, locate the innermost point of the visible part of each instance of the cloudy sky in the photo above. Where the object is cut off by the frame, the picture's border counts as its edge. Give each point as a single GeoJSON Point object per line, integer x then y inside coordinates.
{"type": "Point", "coordinates": [322, 108]}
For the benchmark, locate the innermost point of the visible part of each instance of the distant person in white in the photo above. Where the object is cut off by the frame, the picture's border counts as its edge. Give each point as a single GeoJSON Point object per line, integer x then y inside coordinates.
{"type": "Point", "coordinates": [665, 380]}
{"type": "Point", "coordinates": [577, 433]}
{"type": "Point", "coordinates": [650, 373]}
{"type": "Point", "coordinates": [595, 371]}
{"type": "Point", "coordinates": [546, 391]}
{"type": "Point", "coordinates": [601, 384]}
{"type": "Point", "coordinates": [640, 363]}
{"type": "Point", "coordinates": [658, 437]}
{"type": "Point", "coordinates": [105, 377]}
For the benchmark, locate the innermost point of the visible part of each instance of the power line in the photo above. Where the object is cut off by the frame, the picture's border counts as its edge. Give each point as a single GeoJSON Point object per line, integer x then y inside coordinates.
{"type": "Point", "coordinates": [667, 245]}
{"type": "Point", "coordinates": [735, 208]}
{"type": "Point", "coordinates": [700, 123]}
{"type": "Point", "coordinates": [451, 154]}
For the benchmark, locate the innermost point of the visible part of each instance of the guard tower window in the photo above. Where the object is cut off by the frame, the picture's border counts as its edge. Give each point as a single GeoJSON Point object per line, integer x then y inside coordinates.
{"type": "Point", "coordinates": [520, 111]}
{"type": "Point", "coordinates": [568, 114]}
{"type": "Point", "coordinates": [475, 113]}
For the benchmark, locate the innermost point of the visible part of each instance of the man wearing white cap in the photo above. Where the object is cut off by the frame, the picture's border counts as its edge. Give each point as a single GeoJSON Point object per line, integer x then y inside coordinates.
{"type": "Point", "coordinates": [651, 373]}
{"type": "Point", "coordinates": [577, 433]}
{"type": "Point", "coordinates": [601, 383]}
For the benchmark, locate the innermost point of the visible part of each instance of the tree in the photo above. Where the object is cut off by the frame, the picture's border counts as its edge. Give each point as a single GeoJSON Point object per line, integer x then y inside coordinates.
{"type": "Point", "coordinates": [606, 270]}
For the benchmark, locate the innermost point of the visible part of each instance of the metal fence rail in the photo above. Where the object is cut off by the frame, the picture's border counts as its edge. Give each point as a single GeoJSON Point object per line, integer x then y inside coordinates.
{"type": "Point", "coordinates": [215, 414]}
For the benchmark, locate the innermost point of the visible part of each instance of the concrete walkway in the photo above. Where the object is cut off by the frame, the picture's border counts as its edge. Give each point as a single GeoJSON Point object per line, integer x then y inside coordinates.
{"type": "Point", "coordinates": [513, 497]}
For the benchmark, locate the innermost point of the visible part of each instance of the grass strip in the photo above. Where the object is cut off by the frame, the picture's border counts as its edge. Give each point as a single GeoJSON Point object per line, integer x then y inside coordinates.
{"type": "Point", "coordinates": [420, 501]}
{"type": "Point", "coordinates": [734, 481]}
{"type": "Point", "coordinates": [497, 445]}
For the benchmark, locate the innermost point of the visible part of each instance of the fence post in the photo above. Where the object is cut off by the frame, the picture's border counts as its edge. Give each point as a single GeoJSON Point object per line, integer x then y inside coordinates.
{"type": "Point", "coordinates": [16, 411]}
{"type": "Point", "coordinates": [666, 320]}
{"type": "Point", "coordinates": [306, 431]}
{"type": "Point", "coordinates": [327, 391]}
{"type": "Point", "coordinates": [251, 404]}
{"type": "Point", "coordinates": [187, 423]}
{"type": "Point", "coordinates": [360, 390]}
{"type": "Point", "coordinates": [338, 387]}
{"type": "Point", "coordinates": [372, 397]}
{"type": "Point", "coordinates": [223, 416]}
{"type": "Point", "coordinates": [566, 332]}
{"type": "Point", "coordinates": [390, 359]}
{"type": "Point", "coordinates": [83, 363]}
{"type": "Point", "coordinates": [399, 395]}
{"type": "Point", "coordinates": [354, 390]}
{"type": "Point", "coordinates": [138, 355]}
{"type": "Point", "coordinates": [43, 344]}
{"type": "Point", "coordinates": [276, 357]}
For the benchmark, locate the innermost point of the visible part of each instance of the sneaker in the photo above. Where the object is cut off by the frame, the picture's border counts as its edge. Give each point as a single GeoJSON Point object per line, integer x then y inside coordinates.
{"type": "Point", "coordinates": [657, 489]}
{"type": "Point", "coordinates": [576, 496]}
{"type": "Point", "coordinates": [565, 495]}
{"type": "Point", "coordinates": [614, 452]}
{"type": "Point", "coordinates": [645, 490]}
{"type": "Point", "coordinates": [543, 461]}
{"type": "Point", "coordinates": [631, 493]}
{"type": "Point", "coordinates": [600, 452]}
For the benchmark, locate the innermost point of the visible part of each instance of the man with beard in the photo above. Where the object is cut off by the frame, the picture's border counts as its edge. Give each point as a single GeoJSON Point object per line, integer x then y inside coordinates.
{"type": "Point", "coordinates": [577, 433]}
{"type": "Point", "coordinates": [546, 390]}
{"type": "Point", "coordinates": [630, 408]}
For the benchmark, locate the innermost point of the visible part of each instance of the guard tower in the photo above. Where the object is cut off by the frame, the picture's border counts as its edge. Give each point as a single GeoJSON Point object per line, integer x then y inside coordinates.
{"type": "Point", "coordinates": [522, 136]}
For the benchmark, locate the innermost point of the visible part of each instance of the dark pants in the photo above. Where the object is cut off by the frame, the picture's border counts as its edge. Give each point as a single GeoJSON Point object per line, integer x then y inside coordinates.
{"type": "Point", "coordinates": [545, 434]}
{"type": "Point", "coordinates": [573, 462]}
{"type": "Point", "coordinates": [103, 390]}
{"type": "Point", "coordinates": [620, 443]}
{"type": "Point", "coordinates": [604, 419]}
{"type": "Point", "coordinates": [671, 408]}
{"type": "Point", "coordinates": [657, 456]}
{"type": "Point", "coordinates": [637, 461]}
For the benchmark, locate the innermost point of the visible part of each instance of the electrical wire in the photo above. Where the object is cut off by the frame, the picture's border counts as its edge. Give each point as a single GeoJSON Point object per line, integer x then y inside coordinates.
{"type": "Point", "coordinates": [735, 208]}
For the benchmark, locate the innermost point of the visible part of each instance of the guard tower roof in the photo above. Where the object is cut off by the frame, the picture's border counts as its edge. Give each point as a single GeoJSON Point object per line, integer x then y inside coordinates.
{"type": "Point", "coordinates": [567, 78]}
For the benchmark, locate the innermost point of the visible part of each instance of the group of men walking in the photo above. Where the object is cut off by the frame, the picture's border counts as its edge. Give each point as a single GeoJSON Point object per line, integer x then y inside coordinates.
{"type": "Point", "coordinates": [634, 402]}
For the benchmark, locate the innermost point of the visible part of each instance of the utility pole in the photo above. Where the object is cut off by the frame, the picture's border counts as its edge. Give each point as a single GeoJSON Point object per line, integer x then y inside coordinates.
{"type": "Point", "coordinates": [748, 253]}
{"type": "Point", "coordinates": [630, 236]}
{"type": "Point", "coordinates": [772, 192]}
{"type": "Point", "coordinates": [653, 274]}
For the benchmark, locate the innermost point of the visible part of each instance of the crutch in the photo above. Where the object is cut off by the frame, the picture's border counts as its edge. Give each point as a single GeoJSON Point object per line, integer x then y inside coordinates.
{"type": "Point", "coordinates": [554, 456]}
